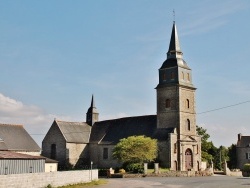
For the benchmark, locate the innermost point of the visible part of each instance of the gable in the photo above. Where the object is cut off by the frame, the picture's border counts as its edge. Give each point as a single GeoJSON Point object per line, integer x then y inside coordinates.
{"type": "Point", "coordinates": [75, 132]}
{"type": "Point", "coordinates": [15, 137]}
{"type": "Point", "coordinates": [53, 135]}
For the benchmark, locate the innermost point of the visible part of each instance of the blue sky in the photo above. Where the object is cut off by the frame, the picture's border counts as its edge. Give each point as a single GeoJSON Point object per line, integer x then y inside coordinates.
{"type": "Point", "coordinates": [55, 54]}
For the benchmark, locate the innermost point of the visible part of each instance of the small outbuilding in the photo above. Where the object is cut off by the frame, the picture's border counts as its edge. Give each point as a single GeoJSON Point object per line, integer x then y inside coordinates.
{"type": "Point", "coordinates": [18, 163]}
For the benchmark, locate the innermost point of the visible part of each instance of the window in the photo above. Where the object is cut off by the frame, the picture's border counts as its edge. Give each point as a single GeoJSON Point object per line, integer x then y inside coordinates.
{"type": "Point", "coordinates": [172, 75]}
{"type": "Point", "coordinates": [167, 103]}
{"type": "Point", "coordinates": [164, 76]}
{"type": "Point", "coordinates": [188, 125]}
{"type": "Point", "coordinates": [105, 153]}
{"type": "Point", "coordinates": [187, 103]}
{"type": "Point", "coordinates": [248, 155]}
{"type": "Point", "coordinates": [53, 151]}
{"type": "Point", "coordinates": [188, 77]}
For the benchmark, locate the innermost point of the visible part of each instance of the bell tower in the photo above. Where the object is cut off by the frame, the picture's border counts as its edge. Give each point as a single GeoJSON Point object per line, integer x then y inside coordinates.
{"type": "Point", "coordinates": [175, 91]}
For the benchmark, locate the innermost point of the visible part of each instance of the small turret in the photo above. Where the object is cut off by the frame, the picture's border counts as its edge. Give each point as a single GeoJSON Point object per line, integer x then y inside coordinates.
{"type": "Point", "coordinates": [92, 114]}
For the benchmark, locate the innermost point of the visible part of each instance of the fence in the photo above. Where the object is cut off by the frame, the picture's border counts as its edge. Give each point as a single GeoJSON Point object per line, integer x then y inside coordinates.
{"type": "Point", "coordinates": [41, 180]}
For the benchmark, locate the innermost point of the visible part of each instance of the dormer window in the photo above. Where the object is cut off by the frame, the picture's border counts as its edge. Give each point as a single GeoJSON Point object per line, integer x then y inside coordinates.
{"type": "Point", "coordinates": [164, 76]}
{"type": "Point", "coordinates": [172, 75]}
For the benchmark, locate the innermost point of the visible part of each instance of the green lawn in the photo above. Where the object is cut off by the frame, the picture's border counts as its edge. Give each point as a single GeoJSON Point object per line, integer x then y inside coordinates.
{"type": "Point", "coordinates": [162, 170]}
{"type": "Point", "coordinates": [82, 185]}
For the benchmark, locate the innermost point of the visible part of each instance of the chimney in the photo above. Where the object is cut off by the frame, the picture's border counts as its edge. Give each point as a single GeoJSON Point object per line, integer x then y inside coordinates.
{"type": "Point", "coordinates": [239, 136]}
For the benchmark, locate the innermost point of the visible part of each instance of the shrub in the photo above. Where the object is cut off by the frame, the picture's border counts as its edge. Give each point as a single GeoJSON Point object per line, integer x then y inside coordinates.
{"type": "Point", "coordinates": [246, 167]}
{"type": "Point", "coordinates": [122, 171]}
{"type": "Point", "coordinates": [134, 167]}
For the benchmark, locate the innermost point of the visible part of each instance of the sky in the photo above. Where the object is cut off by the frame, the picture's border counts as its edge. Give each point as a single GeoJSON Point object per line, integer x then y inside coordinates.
{"type": "Point", "coordinates": [55, 54]}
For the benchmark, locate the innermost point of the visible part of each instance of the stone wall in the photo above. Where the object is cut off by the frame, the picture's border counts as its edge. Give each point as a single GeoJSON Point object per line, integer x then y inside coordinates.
{"type": "Point", "coordinates": [77, 154]}
{"type": "Point", "coordinates": [241, 156]}
{"type": "Point", "coordinates": [39, 180]}
{"type": "Point", "coordinates": [54, 136]}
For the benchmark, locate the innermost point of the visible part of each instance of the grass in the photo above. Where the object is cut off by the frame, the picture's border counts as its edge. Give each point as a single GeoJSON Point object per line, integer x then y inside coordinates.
{"type": "Point", "coordinates": [82, 185]}
{"type": "Point", "coordinates": [161, 170]}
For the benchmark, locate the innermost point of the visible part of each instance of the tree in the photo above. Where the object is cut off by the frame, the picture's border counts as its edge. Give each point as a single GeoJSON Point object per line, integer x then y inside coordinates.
{"type": "Point", "coordinates": [232, 157]}
{"type": "Point", "coordinates": [135, 150]}
{"type": "Point", "coordinates": [207, 148]}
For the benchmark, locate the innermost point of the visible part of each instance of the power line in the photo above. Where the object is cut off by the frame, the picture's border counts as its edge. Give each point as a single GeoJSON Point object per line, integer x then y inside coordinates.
{"type": "Point", "coordinates": [223, 107]}
{"type": "Point", "coordinates": [216, 109]}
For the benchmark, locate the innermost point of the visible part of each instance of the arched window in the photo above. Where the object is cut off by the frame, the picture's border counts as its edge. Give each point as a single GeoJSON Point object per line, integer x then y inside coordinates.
{"type": "Point", "coordinates": [187, 103]}
{"type": "Point", "coordinates": [53, 151]}
{"type": "Point", "coordinates": [172, 75]}
{"type": "Point", "coordinates": [167, 103]}
{"type": "Point", "coordinates": [188, 125]}
{"type": "Point", "coordinates": [164, 76]}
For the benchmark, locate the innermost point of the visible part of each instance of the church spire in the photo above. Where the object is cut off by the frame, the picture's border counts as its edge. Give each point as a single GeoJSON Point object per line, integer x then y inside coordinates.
{"type": "Point", "coordinates": [92, 115]}
{"type": "Point", "coordinates": [174, 50]}
{"type": "Point", "coordinates": [92, 102]}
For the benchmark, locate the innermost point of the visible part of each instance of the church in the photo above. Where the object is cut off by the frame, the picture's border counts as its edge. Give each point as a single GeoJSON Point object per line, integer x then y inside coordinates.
{"type": "Point", "coordinates": [75, 144]}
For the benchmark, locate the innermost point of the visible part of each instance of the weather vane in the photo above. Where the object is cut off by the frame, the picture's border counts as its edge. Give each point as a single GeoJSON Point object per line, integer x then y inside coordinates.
{"type": "Point", "coordinates": [174, 15]}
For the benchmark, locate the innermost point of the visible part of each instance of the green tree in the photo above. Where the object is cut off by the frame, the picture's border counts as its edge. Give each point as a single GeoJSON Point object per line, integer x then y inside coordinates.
{"type": "Point", "coordinates": [135, 150]}
{"type": "Point", "coordinates": [232, 157]}
{"type": "Point", "coordinates": [207, 148]}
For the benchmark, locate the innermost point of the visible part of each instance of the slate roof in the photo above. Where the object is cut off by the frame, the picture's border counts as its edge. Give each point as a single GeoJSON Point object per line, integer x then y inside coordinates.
{"type": "Point", "coordinates": [174, 62]}
{"type": "Point", "coordinates": [15, 137]}
{"type": "Point", "coordinates": [244, 141]}
{"type": "Point", "coordinates": [111, 131]}
{"type": "Point", "coordinates": [74, 132]}
{"type": "Point", "coordinates": [14, 155]}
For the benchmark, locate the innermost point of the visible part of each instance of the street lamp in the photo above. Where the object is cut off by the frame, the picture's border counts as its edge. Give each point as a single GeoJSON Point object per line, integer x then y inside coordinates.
{"type": "Point", "coordinates": [91, 164]}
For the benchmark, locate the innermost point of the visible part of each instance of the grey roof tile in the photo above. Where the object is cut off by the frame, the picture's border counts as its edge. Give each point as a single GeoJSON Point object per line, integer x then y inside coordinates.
{"type": "Point", "coordinates": [14, 155]}
{"type": "Point", "coordinates": [15, 137]}
{"type": "Point", "coordinates": [111, 131]}
{"type": "Point", "coordinates": [75, 132]}
{"type": "Point", "coordinates": [244, 141]}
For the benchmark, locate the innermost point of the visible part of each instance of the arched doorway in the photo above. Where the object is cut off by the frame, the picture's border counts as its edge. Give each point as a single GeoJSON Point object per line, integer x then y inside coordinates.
{"type": "Point", "coordinates": [175, 166]}
{"type": "Point", "coordinates": [188, 159]}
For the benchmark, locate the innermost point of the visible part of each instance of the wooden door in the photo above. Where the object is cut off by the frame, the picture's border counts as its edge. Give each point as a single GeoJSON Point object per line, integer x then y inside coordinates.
{"type": "Point", "coordinates": [188, 159]}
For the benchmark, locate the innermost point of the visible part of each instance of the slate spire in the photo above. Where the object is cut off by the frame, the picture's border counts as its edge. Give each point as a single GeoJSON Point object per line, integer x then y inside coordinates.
{"type": "Point", "coordinates": [92, 102]}
{"type": "Point", "coordinates": [92, 115]}
{"type": "Point", "coordinates": [174, 50]}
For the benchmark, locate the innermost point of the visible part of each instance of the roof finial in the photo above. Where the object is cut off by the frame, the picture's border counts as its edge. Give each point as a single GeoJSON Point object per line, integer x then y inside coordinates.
{"type": "Point", "coordinates": [174, 15]}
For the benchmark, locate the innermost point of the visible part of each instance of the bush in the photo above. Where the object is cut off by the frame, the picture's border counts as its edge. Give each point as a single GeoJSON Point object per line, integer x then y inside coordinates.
{"type": "Point", "coordinates": [134, 167]}
{"type": "Point", "coordinates": [102, 172]}
{"type": "Point", "coordinates": [246, 167]}
{"type": "Point", "coordinates": [122, 171]}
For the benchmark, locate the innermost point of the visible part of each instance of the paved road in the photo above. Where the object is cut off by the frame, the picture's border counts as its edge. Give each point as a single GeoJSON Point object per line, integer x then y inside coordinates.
{"type": "Point", "coordinates": [179, 182]}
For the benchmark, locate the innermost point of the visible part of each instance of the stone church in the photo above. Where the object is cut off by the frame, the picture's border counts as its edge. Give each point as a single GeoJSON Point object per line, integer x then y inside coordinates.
{"type": "Point", "coordinates": [174, 125]}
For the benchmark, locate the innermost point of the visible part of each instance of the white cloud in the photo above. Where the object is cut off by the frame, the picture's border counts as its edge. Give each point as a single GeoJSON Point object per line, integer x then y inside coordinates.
{"type": "Point", "coordinates": [207, 17]}
{"type": "Point", "coordinates": [35, 120]}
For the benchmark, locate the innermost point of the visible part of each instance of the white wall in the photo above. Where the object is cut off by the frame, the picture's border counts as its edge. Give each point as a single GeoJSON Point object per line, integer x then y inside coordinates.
{"type": "Point", "coordinates": [41, 180]}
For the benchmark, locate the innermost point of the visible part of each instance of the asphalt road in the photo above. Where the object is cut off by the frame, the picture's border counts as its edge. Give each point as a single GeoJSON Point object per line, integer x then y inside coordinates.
{"type": "Point", "coordinates": [179, 182]}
